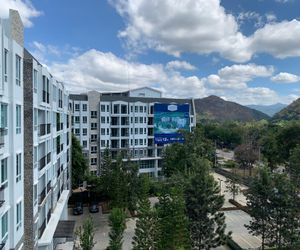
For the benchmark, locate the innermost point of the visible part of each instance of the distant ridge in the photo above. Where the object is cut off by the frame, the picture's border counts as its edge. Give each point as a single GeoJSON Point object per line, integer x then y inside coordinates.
{"type": "Point", "coordinates": [290, 113]}
{"type": "Point", "coordinates": [214, 108]}
{"type": "Point", "coordinates": [270, 110]}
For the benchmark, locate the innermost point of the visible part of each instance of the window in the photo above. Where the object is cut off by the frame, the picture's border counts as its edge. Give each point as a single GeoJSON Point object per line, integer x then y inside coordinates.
{"type": "Point", "coordinates": [145, 119]}
{"type": "Point", "coordinates": [35, 196]}
{"type": "Point", "coordinates": [145, 109]}
{"type": "Point", "coordinates": [102, 131]}
{"type": "Point", "coordinates": [102, 119]}
{"type": "Point", "coordinates": [84, 107]}
{"type": "Point", "coordinates": [54, 91]}
{"type": "Point", "coordinates": [145, 131]}
{"type": "Point", "coordinates": [35, 81]}
{"type": "Point", "coordinates": [18, 119]}
{"type": "Point", "coordinates": [136, 120]}
{"type": "Point", "coordinates": [93, 161]}
{"type": "Point", "coordinates": [136, 109]}
{"type": "Point", "coordinates": [77, 119]}
{"type": "Point", "coordinates": [141, 119]}
{"type": "Point", "coordinates": [102, 143]}
{"type": "Point", "coordinates": [116, 109]}
{"type": "Point", "coordinates": [131, 109]}
{"type": "Point", "coordinates": [4, 227]}
{"type": "Point", "coordinates": [5, 64]}
{"type": "Point", "coordinates": [18, 70]}
{"type": "Point", "coordinates": [141, 141]}
{"type": "Point", "coordinates": [3, 116]}
{"type": "Point", "coordinates": [107, 119]}
{"type": "Point", "coordinates": [19, 215]}
{"type": "Point", "coordinates": [84, 131]}
{"type": "Point", "coordinates": [84, 144]}
{"type": "Point", "coordinates": [107, 108]}
{"type": "Point", "coordinates": [93, 126]}
{"type": "Point", "coordinates": [102, 108]}
{"type": "Point", "coordinates": [93, 138]}
{"type": "Point", "coordinates": [141, 109]}
{"type": "Point", "coordinates": [141, 131]}
{"type": "Point", "coordinates": [18, 167]}
{"type": "Point", "coordinates": [84, 119]}
{"type": "Point", "coordinates": [3, 171]}
{"type": "Point", "coordinates": [77, 131]}
{"type": "Point", "coordinates": [136, 142]}
{"type": "Point", "coordinates": [93, 114]}
{"type": "Point", "coordinates": [136, 131]}
{"type": "Point", "coordinates": [94, 149]}
{"type": "Point", "coordinates": [45, 89]}
{"type": "Point", "coordinates": [77, 107]}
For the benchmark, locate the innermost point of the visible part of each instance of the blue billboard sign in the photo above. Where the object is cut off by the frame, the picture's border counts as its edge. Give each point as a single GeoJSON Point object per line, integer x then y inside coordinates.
{"type": "Point", "coordinates": [168, 120]}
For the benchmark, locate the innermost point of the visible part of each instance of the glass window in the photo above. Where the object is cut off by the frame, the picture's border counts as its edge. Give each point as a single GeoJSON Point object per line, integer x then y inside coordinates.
{"type": "Point", "coordinates": [18, 119]}
{"type": "Point", "coordinates": [3, 116]}
{"type": "Point", "coordinates": [102, 119]}
{"type": "Point", "coordinates": [77, 107]}
{"type": "Point", "coordinates": [77, 131]}
{"type": "Point", "coordinates": [93, 114]}
{"type": "Point", "coordinates": [93, 138]}
{"type": "Point", "coordinates": [136, 108]}
{"type": "Point", "coordinates": [102, 108]}
{"type": "Point", "coordinates": [84, 131]}
{"type": "Point", "coordinates": [77, 119]}
{"type": "Point", "coordinates": [141, 109]}
{"type": "Point", "coordinates": [4, 226]}
{"type": "Point", "coordinates": [84, 107]}
{"type": "Point", "coordinates": [141, 119]}
{"type": "Point", "coordinates": [19, 215]}
{"type": "Point", "coordinates": [35, 81]}
{"type": "Point", "coordinates": [18, 167]}
{"type": "Point", "coordinates": [84, 119]}
{"type": "Point", "coordinates": [84, 144]}
{"type": "Point", "coordinates": [102, 143]}
{"type": "Point", "coordinates": [93, 126]}
{"type": "Point", "coordinates": [5, 64]}
{"type": "Point", "coordinates": [93, 161]}
{"type": "Point", "coordinates": [3, 171]}
{"type": "Point", "coordinates": [18, 70]}
{"type": "Point", "coordinates": [94, 149]}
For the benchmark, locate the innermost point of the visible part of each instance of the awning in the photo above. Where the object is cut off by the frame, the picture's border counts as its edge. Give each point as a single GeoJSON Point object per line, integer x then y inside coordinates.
{"type": "Point", "coordinates": [65, 229]}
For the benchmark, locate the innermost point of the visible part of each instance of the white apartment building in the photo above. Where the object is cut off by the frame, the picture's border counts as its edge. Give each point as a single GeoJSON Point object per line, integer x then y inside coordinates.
{"type": "Point", "coordinates": [124, 123]}
{"type": "Point", "coordinates": [11, 133]}
{"type": "Point", "coordinates": [47, 156]}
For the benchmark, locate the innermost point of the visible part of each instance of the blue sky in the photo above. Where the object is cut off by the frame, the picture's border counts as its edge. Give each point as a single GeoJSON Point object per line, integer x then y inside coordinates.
{"type": "Point", "coordinates": [244, 51]}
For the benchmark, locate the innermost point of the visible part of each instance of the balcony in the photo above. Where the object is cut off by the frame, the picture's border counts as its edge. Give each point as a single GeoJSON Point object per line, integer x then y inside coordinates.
{"type": "Point", "coordinates": [48, 215]}
{"type": "Point", "coordinates": [42, 196]}
{"type": "Point", "coordinates": [44, 129]}
{"type": "Point", "coordinates": [42, 229]}
{"type": "Point", "coordinates": [59, 126]}
{"type": "Point", "coordinates": [44, 161]}
{"type": "Point", "coordinates": [48, 187]}
{"type": "Point", "coordinates": [3, 132]}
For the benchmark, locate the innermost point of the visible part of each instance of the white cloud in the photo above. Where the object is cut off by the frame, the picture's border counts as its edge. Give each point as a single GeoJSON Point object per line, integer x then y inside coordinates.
{"type": "Point", "coordinates": [283, 1]}
{"type": "Point", "coordinates": [284, 77]}
{"type": "Point", "coordinates": [182, 26]}
{"type": "Point", "coordinates": [237, 76]}
{"type": "Point", "coordinates": [180, 65]}
{"type": "Point", "coordinates": [26, 10]}
{"type": "Point", "coordinates": [203, 27]}
{"type": "Point", "coordinates": [250, 15]}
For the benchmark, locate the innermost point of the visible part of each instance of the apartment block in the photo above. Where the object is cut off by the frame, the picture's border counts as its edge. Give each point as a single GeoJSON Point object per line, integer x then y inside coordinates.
{"type": "Point", "coordinates": [11, 133]}
{"type": "Point", "coordinates": [47, 155]}
{"type": "Point", "coordinates": [124, 123]}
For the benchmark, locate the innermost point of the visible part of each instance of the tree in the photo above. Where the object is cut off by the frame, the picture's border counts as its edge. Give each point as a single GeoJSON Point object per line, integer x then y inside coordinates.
{"type": "Point", "coordinates": [259, 205]}
{"type": "Point", "coordinates": [173, 223]}
{"type": "Point", "coordinates": [232, 186]}
{"type": "Point", "coordinates": [117, 225]}
{"type": "Point", "coordinates": [145, 237]}
{"type": "Point", "coordinates": [203, 204]}
{"type": "Point", "coordinates": [133, 185]}
{"type": "Point", "coordinates": [86, 235]}
{"type": "Point", "coordinates": [79, 164]}
{"type": "Point", "coordinates": [246, 155]}
{"type": "Point", "coordinates": [294, 166]}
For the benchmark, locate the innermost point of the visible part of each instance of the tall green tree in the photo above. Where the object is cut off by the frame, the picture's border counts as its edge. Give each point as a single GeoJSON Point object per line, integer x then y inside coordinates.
{"type": "Point", "coordinates": [246, 155]}
{"type": "Point", "coordinates": [146, 234]}
{"type": "Point", "coordinates": [79, 163]}
{"type": "Point", "coordinates": [203, 203]}
{"type": "Point", "coordinates": [86, 234]}
{"type": "Point", "coordinates": [134, 183]}
{"type": "Point", "coordinates": [259, 206]}
{"type": "Point", "coordinates": [232, 186]}
{"type": "Point", "coordinates": [117, 223]}
{"type": "Point", "coordinates": [294, 166]}
{"type": "Point", "coordinates": [173, 223]}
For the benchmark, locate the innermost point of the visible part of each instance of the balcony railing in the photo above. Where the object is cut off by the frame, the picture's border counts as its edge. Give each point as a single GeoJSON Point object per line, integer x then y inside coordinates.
{"type": "Point", "coordinates": [44, 161]}
{"type": "Point", "coordinates": [44, 129]}
{"type": "Point", "coordinates": [42, 229]}
{"type": "Point", "coordinates": [48, 215]}
{"type": "Point", "coordinates": [42, 196]}
{"type": "Point", "coordinates": [48, 187]}
{"type": "Point", "coordinates": [3, 132]}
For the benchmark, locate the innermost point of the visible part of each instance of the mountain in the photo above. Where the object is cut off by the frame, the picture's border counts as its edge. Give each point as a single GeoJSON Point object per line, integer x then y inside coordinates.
{"type": "Point", "coordinates": [270, 110]}
{"type": "Point", "coordinates": [216, 109]}
{"type": "Point", "coordinates": [291, 112]}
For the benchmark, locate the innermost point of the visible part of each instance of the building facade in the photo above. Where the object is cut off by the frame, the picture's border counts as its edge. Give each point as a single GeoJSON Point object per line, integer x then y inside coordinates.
{"type": "Point", "coordinates": [11, 133]}
{"type": "Point", "coordinates": [47, 142]}
{"type": "Point", "coordinates": [124, 123]}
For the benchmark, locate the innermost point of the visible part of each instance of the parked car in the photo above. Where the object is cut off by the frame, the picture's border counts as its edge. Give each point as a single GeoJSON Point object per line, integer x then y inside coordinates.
{"type": "Point", "coordinates": [94, 207]}
{"type": "Point", "coordinates": [78, 208]}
